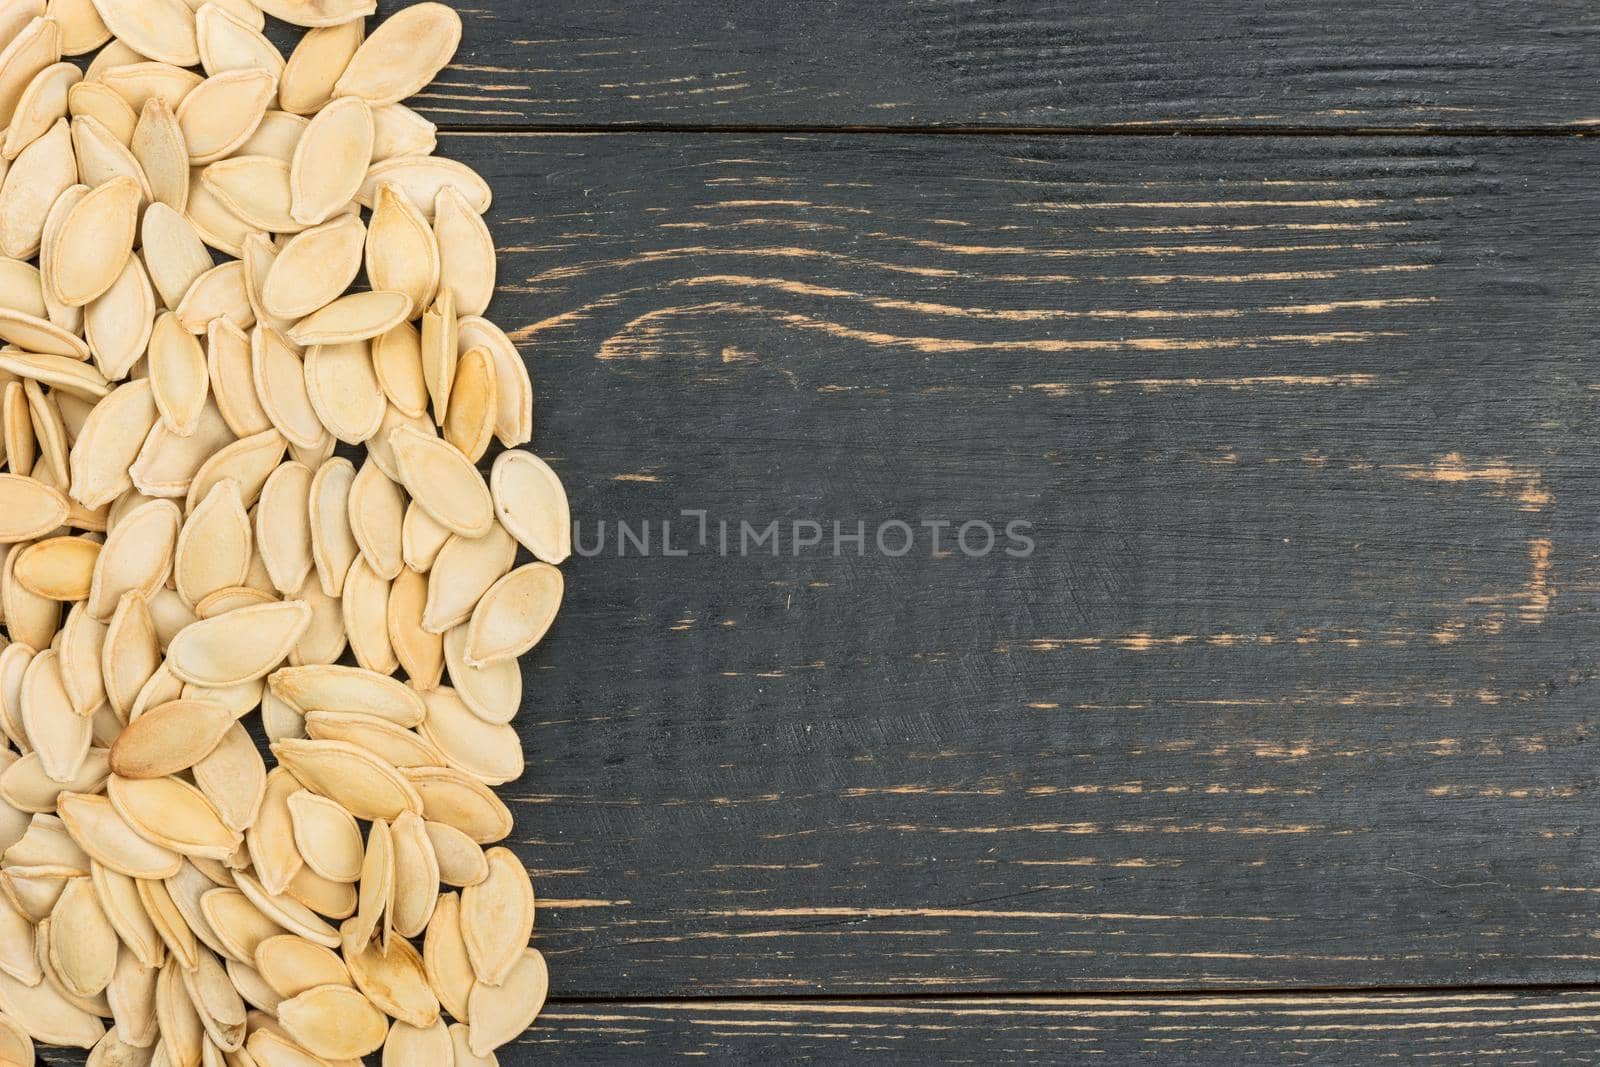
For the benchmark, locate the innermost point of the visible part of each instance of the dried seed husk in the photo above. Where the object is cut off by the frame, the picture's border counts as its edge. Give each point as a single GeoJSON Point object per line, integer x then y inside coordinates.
{"type": "Point", "coordinates": [228, 42]}
{"type": "Point", "coordinates": [21, 288]}
{"type": "Point", "coordinates": [159, 147]}
{"type": "Point", "coordinates": [445, 959]}
{"type": "Point", "coordinates": [26, 787]}
{"type": "Point", "coordinates": [36, 47]}
{"type": "Point", "coordinates": [59, 735]}
{"type": "Point", "coordinates": [270, 837]}
{"type": "Point", "coordinates": [440, 353]}
{"type": "Point", "coordinates": [383, 738]}
{"type": "Point", "coordinates": [31, 620]}
{"type": "Point", "coordinates": [216, 1001]}
{"type": "Point", "coordinates": [187, 889]}
{"type": "Point", "coordinates": [403, 54]}
{"type": "Point", "coordinates": [80, 650]}
{"type": "Point", "coordinates": [281, 719]}
{"type": "Point", "coordinates": [217, 225]}
{"type": "Point", "coordinates": [94, 241]}
{"type": "Point", "coordinates": [376, 888]}
{"type": "Point", "coordinates": [493, 691]}
{"type": "Point", "coordinates": [443, 481]}
{"type": "Point", "coordinates": [501, 1013]}
{"type": "Point", "coordinates": [223, 111]}
{"type": "Point", "coordinates": [324, 640]}
{"type": "Point", "coordinates": [416, 876]}
{"type": "Point", "coordinates": [118, 325]}
{"type": "Point", "coordinates": [240, 699]}
{"type": "Point", "coordinates": [174, 255]}
{"type": "Point", "coordinates": [173, 814]}
{"type": "Point", "coordinates": [160, 29]}
{"type": "Point", "coordinates": [314, 268]}
{"type": "Point", "coordinates": [470, 420]}
{"type": "Point", "coordinates": [421, 539]}
{"type": "Point", "coordinates": [330, 161]}
{"type": "Point", "coordinates": [51, 435]}
{"type": "Point", "coordinates": [421, 178]}
{"type": "Point", "coordinates": [344, 391]}
{"type": "Point", "coordinates": [111, 842]}
{"type": "Point", "coordinates": [378, 444]}
{"type": "Point", "coordinates": [39, 336]}
{"type": "Point", "coordinates": [466, 252]}
{"type": "Point", "coordinates": [497, 917]}
{"type": "Point", "coordinates": [360, 782]}
{"type": "Point", "coordinates": [103, 156]}
{"type": "Point", "coordinates": [33, 892]}
{"type": "Point", "coordinates": [47, 848]}
{"type": "Point", "coordinates": [98, 101]}
{"type": "Point", "coordinates": [351, 690]}
{"type": "Point", "coordinates": [42, 103]}
{"type": "Point", "coordinates": [82, 29]}
{"type": "Point", "coordinates": [218, 293]}
{"type": "Point", "coordinates": [28, 509]}
{"type": "Point", "coordinates": [254, 188]}
{"type": "Point", "coordinates": [377, 513]}
{"type": "Point", "coordinates": [333, 546]}
{"type": "Point", "coordinates": [462, 571]}
{"type": "Point", "coordinates": [315, 65]}
{"type": "Point", "coordinates": [290, 964]}
{"type": "Point", "coordinates": [365, 603]}
{"type": "Point", "coordinates": [137, 556]}
{"type": "Point", "coordinates": [58, 372]}
{"type": "Point", "coordinates": [169, 738]}
{"type": "Point", "coordinates": [14, 660]}
{"type": "Point", "coordinates": [392, 978]}
{"type": "Point", "coordinates": [401, 252]}
{"type": "Point", "coordinates": [249, 461]}
{"type": "Point", "coordinates": [327, 836]}
{"type": "Point", "coordinates": [251, 987]}
{"type": "Point", "coordinates": [214, 545]}
{"type": "Point", "coordinates": [277, 135]}
{"type": "Point", "coordinates": [178, 376]}
{"type": "Point", "coordinates": [240, 646]}
{"type": "Point", "coordinates": [231, 377]}
{"type": "Point", "coordinates": [119, 899]}
{"type": "Point", "coordinates": [514, 615]}
{"type": "Point", "coordinates": [131, 652]}
{"type": "Point", "coordinates": [459, 800]}
{"type": "Point", "coordinates": [334, 1021]}
{"type": "Point", "coordinates": [317, 12]}
{"type": "Point", "coordinates": [168, 921]}
{"type": "Point", "coordinates": [67, 318]}
{"type": "Point", "coordinates": [233, 777]}
{"type": "Point", "coordinates": [287, 912]}
{"type": "Point", "coordinates": [83, 945]}
{"type": "Point", "coordinates": [47, 1014]}
{"type": "Point", "coordinates": [461, 860]}
{"type": "Point", "coordinates": [355, 317]}
{"type": "Point", "coordinates": [162, 687]}
{"type": "Point", "coordinates": [410, 1046]}
{"type": "Point", "coordinates": [420, 653]}
{"type": "Point", "coordinates": [182, 1035]}
{"type": "Point", "coordinates": [397, 363]}
{"type": "Point", "coordinates": [489, 752]}
{"type": "Point", "coordinates": [399, 131]}
{"type": "Point", "coordinates": [109, 443]}
{"type": "Point", "coordinates": [40, 173]}
{"type": "Point", "coordinates": [283, 534]}
{"type": "Point", "coordinates": [238, 923]}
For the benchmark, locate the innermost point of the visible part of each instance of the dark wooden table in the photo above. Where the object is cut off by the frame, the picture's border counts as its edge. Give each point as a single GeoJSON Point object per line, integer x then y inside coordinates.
{"type": "Point", "coordinates": [1278, 321]}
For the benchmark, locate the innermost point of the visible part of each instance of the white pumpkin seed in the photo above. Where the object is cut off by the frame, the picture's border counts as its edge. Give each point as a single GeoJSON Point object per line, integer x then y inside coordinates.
{"type": "Point", "coordinates": [330, 161]}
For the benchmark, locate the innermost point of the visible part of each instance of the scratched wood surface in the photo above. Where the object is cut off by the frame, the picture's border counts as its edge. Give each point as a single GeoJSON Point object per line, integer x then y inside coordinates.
{"type": "Point", "coordinates": [1296, 689]}
{"type": "Point", "coordinates": [1335, 63]}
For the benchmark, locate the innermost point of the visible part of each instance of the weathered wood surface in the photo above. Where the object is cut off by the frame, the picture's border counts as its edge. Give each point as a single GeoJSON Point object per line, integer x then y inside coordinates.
{"type": "Point", "coordinates": [1438, 1028]}
{"type": "Point", "coordinates": [1338, 63]}
{"type": "Point", "coordinates": [1297, 687]}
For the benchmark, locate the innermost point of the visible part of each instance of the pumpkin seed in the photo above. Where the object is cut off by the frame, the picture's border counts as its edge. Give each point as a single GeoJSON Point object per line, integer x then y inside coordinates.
{"type": "Point", "coordinates": [445, 959]}
{"type": "Point", "coordinates": [463, 570]}
{"type": "Point", "coordinates": [327, 836]}
{"type": "Point", "coordinates": [397, 363]}
{"type": "Point", "coordinates": [240, 646]}
{"type": "Point", "coordinates": [410, 1046]}
{"type": "Point", "coordinates": [234, 777]}
{"type": "Point", "coordinates": [83, 946]}
{"type": "Point", "coordinates": [35, 48]}
{"type": "Point", "coordinates": [466, 251]}
{"type": "Point", "coordinates": [218, 293]}
{"type": "Point", "coordinates": [470, 419]}
{"type": "Point", "coordinates": [452, 797]}
{"type": "Point", "coordinates": [315, 65]}
{"type": "Point", "coordinates": [58, 734]}
{"type": "Point", "coordinates": [283, 530]}
{"type": "Point", "coordinates": [487, 751]}
{"type": "Point", "coordinates": [421, 178]}
{"type": "Point", "coordinates": [173, 814]}
{"type": "Point", "coordinates": [249, 461]}
{"type": "Point", "coordinates": [501, 1013]}
{"type": "Point", "coordinates": [270, 838]}
{"type": "Point", "coordinates": [178, 377]}
{"type": "Point", "coordinates": [421, 653]}
{"type": "Point", "coordinates": [356, 317]}
{"type": "Point", "coordinates": [43, 101]}
{"type": "Point", "coordinates": [400, 131]}
{"type": "Point", "coordinates": [223, 111]}
{"type": "Point", "coordinates": [416, 876]}
{"type": "Point", "coordinates": [392, 978]}
{"type": "Point", "coordinates": [314, 267]}
{"type": "Point", "coordinates": [118, 324]}
{"type": "Point", "coordinates": [57, 568]}
{"type": "Point", "coordinates": [139, 81]}
{"type": "Point", "coordinates": [169, 738]}
{"type": "Point", "coordinates": [131, 652]}
{"type": "Point", "coordinates": [461, 861]}
{"type": "Point", "coordinates": [361, 783]}
{"type": "Point", "coordinates": [160, 29]}
{"type": "Point", "coordinates": [40, 173]}
{"type": "Point", "coordinates": [227, 42]}
{"type": "Point", "coordinates": [402, 254]}
{"type": "Point", "coordinates": [497, 917]}
{"type": "Point", "coordinates": [344, 391]}
{"type": "Point", "coordinates": [110, 841]}
{"type": "Point", "coordinates": [159, 147]}
{"type": "Point", "coordinates": [317, 12]}
{"type": "Point", "coordinates": [334, 1021]}
{"type": "Point", "coordinates": [330, 161]}
{"type": "Point", "coordinates": [97, 101]}
{"type": "Point", "coordinates": [403, 54]}
{"type": "Point", "coordinates": [137, 556]}
{"type": "Point", "coordinates": [443, 481]}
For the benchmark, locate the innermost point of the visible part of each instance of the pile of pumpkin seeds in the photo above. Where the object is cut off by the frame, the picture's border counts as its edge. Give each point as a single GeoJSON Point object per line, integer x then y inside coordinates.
{"type": "Point", "coordinates": [184, 220]}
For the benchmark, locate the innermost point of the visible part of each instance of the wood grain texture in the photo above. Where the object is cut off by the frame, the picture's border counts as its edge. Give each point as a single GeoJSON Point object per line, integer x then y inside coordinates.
{"type": "Point", "coordinates": [1341, 63]}
{"type": "Point", "coordinates": [1296, 688]}
{"type": "Point", "coordinates": [1437, 1028]}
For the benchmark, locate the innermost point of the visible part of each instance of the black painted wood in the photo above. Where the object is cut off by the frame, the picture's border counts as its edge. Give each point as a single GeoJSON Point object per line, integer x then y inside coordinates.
{"type": "Point", "coordinates": [1297, 687]}
{"type": "Point", "coordinates": [1339, 63]}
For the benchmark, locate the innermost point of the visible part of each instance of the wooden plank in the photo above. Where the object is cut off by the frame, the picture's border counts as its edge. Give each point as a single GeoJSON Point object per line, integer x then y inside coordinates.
{"type": "Point", "coordinates": [1443, 1027]}
{"type": "Point", "coordinates": [1296, 687]}
{"type": "Point", "coordinates": [1340, 63]}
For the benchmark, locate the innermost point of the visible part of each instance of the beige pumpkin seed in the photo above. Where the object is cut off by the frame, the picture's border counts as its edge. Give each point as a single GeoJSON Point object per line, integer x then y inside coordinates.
{"type": "Point", "coordinates": [217, 224]}
{"type": "Point", "coordinates": [254, 188]}
{"type": "Point", "coordinates": [111, 842]}
{"type": "Point", "coordinates": [109, 443]}
{"type": "Point", "coordinates": [440, 353]}
{"type": "Point", "coordinates": [378, 444]}
{"type": "Point", "coordinates": [233, 777]}
{"type": "Point", "coordinates": [492, 691]}
{"type": "Point", "coordinates": [173, 814]}
{"type": "Point", "coordinates": [169, 738]}
{"type": "Point", "coordinates": [83, 946]}
{"type": "Point", "coordinates": [344, 391]}
{"type": "Point", "coordinates": [355, 317]}
{"type": "Point", "coordinates": [283, 531]}
{"type": "Point", "coordinates": [270, 838]}
{"type": "Point", "coordinates": [38, 337]}
{"type": "Point", "coordinates": [422, 539]}
{"type": "Point", "coordinates": [174, 255]}
{"type": "Point", "coordinates": [229, 369]}
{"type": "Point", "coordinates": [280, 719]}
{"type": "Point", "coordinates": [81, 647]}
{"type": "Point", "coordinates": [214, 545]}
{"type": "Point", "coordinates": [377, 513]}
{"type": "Point", "coordinates": [118, 325]}
{"type": "Point", "coordinates": [82, 29]}
{"type": "Point", "coordinates": [98, 101]}
{"type": "Point", "coordinates": [137, 556]}
{"type": "Point", "coordinates": [365, 602]}
{"type": "Point", "coordinates": [159, 147]}
{"type": "Point", "coordinates": [161, 687]}
{"type": "Point", "coordinates": [178, 377]}
{"type": "Point", "coordinates": [463, 570]}
{"type": "Point", "coordinates": [228, 42]}
{"type": "Point", "coordinates": [421, 653]}
{"type": "Point", "coordinates": [401, 252]}
{"type": "Point", "coordinates": [280, 383]}
{"type": "Point", "coordinates": [160, 29]}
{"type": "Point", "coordinates": [57, 568]}
{"type": "Point", "coordinates": [416, 876]}
{"type": "Point", "coordinates": [31, 620]}
{"type": "Point", "coordinates": [314, 268]}
{"type": "Point", "coordinates": [42, 103]}
{"type": "Point", "coordinates": [35, 48]}
{"type": "Point", "coordinates": [393, 979]}
{"type": "Point", "coordinates": [497, 917]}
{"type": "Point", "coordinates": [240, 646]}
{"type": "Point", "coordinates": [400, 131]}
{"type": "Point", "coordinates": [315, 65]}
{"type": "Point", "coordinates": [287, 912]}
{"type": "Point", "coordinates": [350, 690]}
{"type": "Point", "coordinates": [223, 111]}
{"type": "Point", "coordinates": [445, 959]}
{"type": "Point", "coordinates": [421, 178]}
{"type": "Point", "coordinates": [14, 660]}
{"type": "Point", "coordinates": [443, 481]}
{"type": "Point", "coordinates": [466, 252]}
{"type": "Point", "coordinates": [290, 965]}
{"type": "Point", "coordinates": [333, 546]}
{"type": "Point", "coordinates": [514, 614]}
{"type": "Point", "coordinates": [317, 12]}
{"type": "Point", "coordinates": [501, 1013]}
{"type": "Point", "coordinates": [104, 156]}
{"type": "Point", "coordinates": [58, 372]}
{"type": "Point", "coordinates": [182, 1033]}
{"type": "Point", "coordinates": [238, 924]}
{"type": "Point", "coordinates": [87, 254]}
{"type": "Point", "coordinates": [360, 782]}
{"type": "Point", "coordinates": [119, 899]}
{"type": "Point", "coordinates": [131, 996]}
{"type": "Point", "coordinates": [459, 800]}
{"type": "Point", "coordinates": [470, 420]}
{"type": "Point", "coordinates": [140, 81]}
{"type": "Point", "coordinates": [64, 316]}
{"type": "Point", "coordinates": [58, 734]}
{"type": "Point", "coordinates": [168, 921]}
{"type": "Point", "coordinates": [28, 509]}
{"type": "Point", "coordinates": [384, 739]}
{"type": "Point", "coordinates": [410, 1046]}
{"type": "Point", "coordinates": [334, 1021]}
{"type": "Point", "coordinates": [220, 1008]}
{"type": "Point", "coordinates": [22, 288]}
{"type": "Point", "coordinates": [218, 293]}
{"type": "Point", "coordinates": [490, 752]}
{"type": "Point", "coordinates": [403, 54]}
{"type": "Point", "coordinates": [249, 461]}
{"type": "Point", "coordinates": [40, 173]}
{"type": "Point", "coordinates": [377, 886]}
{"type": "Point", "coordinates": [461, 860]}
{"type": "Point", "coordinates": [327, 836]}
{"type": "Point", "coordinates": [131, 652]}
{"type": "Point", "coordinates": [230, 598]}
{"type": "Point", "coordinates": [277, 135]}
{"type": "Point", "coordinates": [47, 1014]}
{"type": "Point", "coordinates": [167, 464]}
{"type": "Point", "coordinates": [397, 363]}
{"type": "Point", "coordinates": [330, 161]}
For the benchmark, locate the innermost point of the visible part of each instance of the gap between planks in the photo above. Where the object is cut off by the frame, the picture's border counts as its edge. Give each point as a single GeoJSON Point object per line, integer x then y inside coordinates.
{"type": "Point", "coordinates": [1112, 130]}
